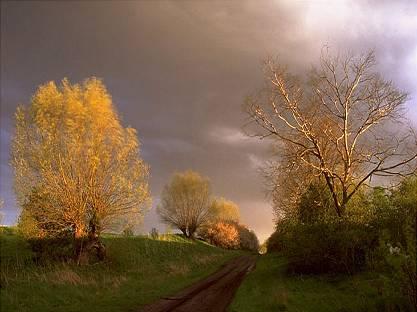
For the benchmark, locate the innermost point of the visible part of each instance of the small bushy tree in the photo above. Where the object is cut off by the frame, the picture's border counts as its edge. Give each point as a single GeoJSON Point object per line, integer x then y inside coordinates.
{"type": "Point", "coordinates": [222, 209]}
{"type": "Point", "coordinates": [222, 234]}
{"type": "Point", "coordinates": [247, 238]}
{"type": "Point", "coordinates": [230, 235]}
{"type": "Point", "coordinates": [404, 200]}
{"type": "Point", "coordinates": [185, 202]}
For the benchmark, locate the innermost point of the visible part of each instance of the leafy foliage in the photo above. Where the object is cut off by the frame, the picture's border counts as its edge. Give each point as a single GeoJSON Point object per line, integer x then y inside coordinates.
{"type": "Point", "coordinates": [185, 202]}
{"type": "Point", "coordinates": [230, 235]}
{"type": "Point", "coordinates": [247, 238]}
{"type": "Point", "coordinates": [222, 234]}
{"type": "Point", "coordinates": [77, 169]}
{"type": "Point", "coordinates": [322, 247]}
{"type": "Point", "coordinates": [224, 210]}
{"type": "Point", "coordinates": [317, 241]}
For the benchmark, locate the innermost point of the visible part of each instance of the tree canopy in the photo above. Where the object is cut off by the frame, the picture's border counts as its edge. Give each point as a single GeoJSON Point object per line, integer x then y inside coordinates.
{"type": "Point", "coordinates": [185, 202]}
{"type": "Point", "coordinates": [77, 170]}
{"type": "Point", "coordinates": [342, 121]}
{"type": "Point", "coordinates": [224, 210]}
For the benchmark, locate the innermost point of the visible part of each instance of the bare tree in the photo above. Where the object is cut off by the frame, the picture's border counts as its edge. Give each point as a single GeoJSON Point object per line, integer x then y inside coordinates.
{"type": "Point", "coordinates": [287, 179]}
{"type": "Point", "coordinates": [185, 202]}
{"type": "Point", "coordinates": [345, 123]}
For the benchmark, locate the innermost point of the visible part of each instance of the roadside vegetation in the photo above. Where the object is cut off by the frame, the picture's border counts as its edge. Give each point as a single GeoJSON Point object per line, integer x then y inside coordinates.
{"type": "Point", "coordinates": [79, 175]}
{"type": "Point", "coordinates": [137, 271]}
{"type": "Point", "coordinates": [188, 205]}
{"type": "Point", "coordinates": [343, 184]}
{"type": "Point", "coordinates": [271, 288]}
{"type": "Point", "coordinates": [344, 189]}
{"type": "Point", "coordinates": [363, 265]}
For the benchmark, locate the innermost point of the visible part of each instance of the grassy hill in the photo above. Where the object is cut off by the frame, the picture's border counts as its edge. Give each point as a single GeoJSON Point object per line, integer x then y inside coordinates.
{"type": "Point", "coordinates": [139, 270]}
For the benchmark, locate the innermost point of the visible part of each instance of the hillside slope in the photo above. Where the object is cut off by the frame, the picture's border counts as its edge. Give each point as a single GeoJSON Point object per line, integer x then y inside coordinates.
{"type": "Point", "coordinates": [138, 271]}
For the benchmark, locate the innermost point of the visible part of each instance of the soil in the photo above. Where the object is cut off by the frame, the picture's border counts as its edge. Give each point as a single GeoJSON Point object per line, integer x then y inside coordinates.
{"type": "Point", "coordinates": [214, 293]}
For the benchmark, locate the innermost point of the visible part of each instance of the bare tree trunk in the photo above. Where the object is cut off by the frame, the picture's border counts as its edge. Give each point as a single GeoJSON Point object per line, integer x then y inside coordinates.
{"type": "Point", "coordinates": [184, 231]}
{"type": "Point", "coordinates": [78, 243]}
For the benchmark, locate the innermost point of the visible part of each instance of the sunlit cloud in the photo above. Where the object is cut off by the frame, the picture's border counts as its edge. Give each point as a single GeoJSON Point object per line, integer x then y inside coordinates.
{"type": "Point", "coordinates": [256, 162]}
{"type": "Point", "coordinates": [228, 135]}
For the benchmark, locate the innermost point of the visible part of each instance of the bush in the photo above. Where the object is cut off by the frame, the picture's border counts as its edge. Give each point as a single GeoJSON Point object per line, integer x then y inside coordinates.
{"type": "Point", "coordinates": [401, 230]}
{"type": "Point", "coordinates": [318, 242]}
{"type": "Point", "coordinates": [230, 235]}
{"type": "Point", "coordinates": [247, 238]}
{"type": "Point", "coordinates": [222, 234]}
{"type": "Point", "coordinates": [52, 249]}
{"type": "Point", "coordinates": [340, 246]}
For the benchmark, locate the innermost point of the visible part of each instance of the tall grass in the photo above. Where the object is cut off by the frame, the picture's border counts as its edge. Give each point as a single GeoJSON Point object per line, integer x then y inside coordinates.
{"type": "Point", "coordinates": [270, 288]}
{"type": "Point", "coordinates": [138, 270]}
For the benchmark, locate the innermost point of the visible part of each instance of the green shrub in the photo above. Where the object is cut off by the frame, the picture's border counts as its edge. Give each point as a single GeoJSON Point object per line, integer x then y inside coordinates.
{"type": "Point", "coordinates": [229, 235]}
{"type": "Point", "coordinates": [326, 247]}
{"type": "Point", "coordinates": [401, 230]}
{"type": "Point", "coordinates": [247, 238]}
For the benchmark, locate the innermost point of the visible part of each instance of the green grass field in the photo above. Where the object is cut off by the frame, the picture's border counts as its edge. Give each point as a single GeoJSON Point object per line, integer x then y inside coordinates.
{"type": "Point", "coordinates": [138, 271]}
{"type": "Point", "coordinates": [268, 288]}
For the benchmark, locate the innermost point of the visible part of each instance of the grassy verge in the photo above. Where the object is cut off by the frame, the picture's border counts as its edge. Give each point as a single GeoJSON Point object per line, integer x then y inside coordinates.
{"type": "Point", "coordinates": [268, 288]}
{"type": "Point", "coordinates": [139, 270]}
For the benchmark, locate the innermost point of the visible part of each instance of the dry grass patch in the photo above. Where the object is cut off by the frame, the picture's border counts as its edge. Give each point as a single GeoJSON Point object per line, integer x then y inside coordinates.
{"type": "Point", "coordinates": [66, 276]}
{"type": "Point", "coordinates": [178, 269]}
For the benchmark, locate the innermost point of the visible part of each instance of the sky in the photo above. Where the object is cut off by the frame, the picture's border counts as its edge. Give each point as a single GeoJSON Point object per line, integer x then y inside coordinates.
{"type": "Point", "coordinates": [179, 72]}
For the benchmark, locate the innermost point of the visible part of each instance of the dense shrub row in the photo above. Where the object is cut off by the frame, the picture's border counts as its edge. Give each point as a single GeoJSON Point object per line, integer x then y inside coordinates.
{"type": "Point", "coordinates": [321, 247]}
{"type": "Point", "coordinates": [377, 231]}
{"type": "Point", "coordinates": [230, 235]}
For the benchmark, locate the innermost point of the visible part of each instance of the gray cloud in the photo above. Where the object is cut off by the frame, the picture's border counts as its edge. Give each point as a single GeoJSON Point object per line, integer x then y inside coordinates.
{"type": "Point", "coordinates": [179, 71]}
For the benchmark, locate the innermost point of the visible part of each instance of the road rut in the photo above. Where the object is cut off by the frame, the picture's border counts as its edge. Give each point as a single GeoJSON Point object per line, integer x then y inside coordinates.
{"type": "Point", "coordinates": [214, 293]}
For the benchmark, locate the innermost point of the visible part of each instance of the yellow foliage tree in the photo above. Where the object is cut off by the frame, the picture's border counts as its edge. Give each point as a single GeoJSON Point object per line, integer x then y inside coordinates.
{"type": "Point", "coordinates": [185, 202]}
{"type": "Point", "coordinates": [222, 234]}
{"type": "Point", "coordinates": [77, 169]}
{"type": "Point", "coordinates": [222, 209]}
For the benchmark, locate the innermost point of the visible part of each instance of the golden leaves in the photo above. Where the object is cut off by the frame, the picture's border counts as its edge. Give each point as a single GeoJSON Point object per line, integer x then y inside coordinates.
{"type": "Point", "coordinates": [69, 142]}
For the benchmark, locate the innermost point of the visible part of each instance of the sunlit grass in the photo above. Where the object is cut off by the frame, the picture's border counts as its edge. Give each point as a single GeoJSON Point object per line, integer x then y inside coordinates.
{"type": "Point", "coordinates": [269, 288]}
{"type": "Point", "coordinates": [138, 270]}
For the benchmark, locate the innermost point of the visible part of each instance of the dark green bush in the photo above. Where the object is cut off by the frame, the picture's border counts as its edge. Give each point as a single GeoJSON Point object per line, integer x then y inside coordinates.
{"type": "Point", "coordinates": [67, 249]}
{"type": "Point", "coordinates": [52, 249]}
{"type": "Point", "coordinates": [326, 247]}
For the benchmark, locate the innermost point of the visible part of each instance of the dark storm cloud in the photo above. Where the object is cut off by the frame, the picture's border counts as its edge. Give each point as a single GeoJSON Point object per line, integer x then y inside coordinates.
{"type": "Point", "coordinates": [179, 71]}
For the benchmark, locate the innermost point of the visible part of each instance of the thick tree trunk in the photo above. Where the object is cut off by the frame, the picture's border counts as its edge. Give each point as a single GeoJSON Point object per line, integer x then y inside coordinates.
{"type": "Point", "coordinates": [184, 231]}
{"type": "Point", "coordinates": [95, 247]}
{"type": "Point", "coordinates": [88, 248]}
{"type": "Point", "coordinates": [334, 195]}
{"type": "Point", "coordinates": [79, 237]}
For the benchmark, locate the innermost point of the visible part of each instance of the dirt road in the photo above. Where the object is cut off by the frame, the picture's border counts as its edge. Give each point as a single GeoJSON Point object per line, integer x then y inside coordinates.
{"type": "Point", "coordinates": [213, 293]}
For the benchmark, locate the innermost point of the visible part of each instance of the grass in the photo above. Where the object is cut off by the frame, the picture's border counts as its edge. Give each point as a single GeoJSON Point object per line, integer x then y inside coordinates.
{"type": "Point", "coordinates": [268, 288]}
{"type": "Point", "coordinates": [138, 271]}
